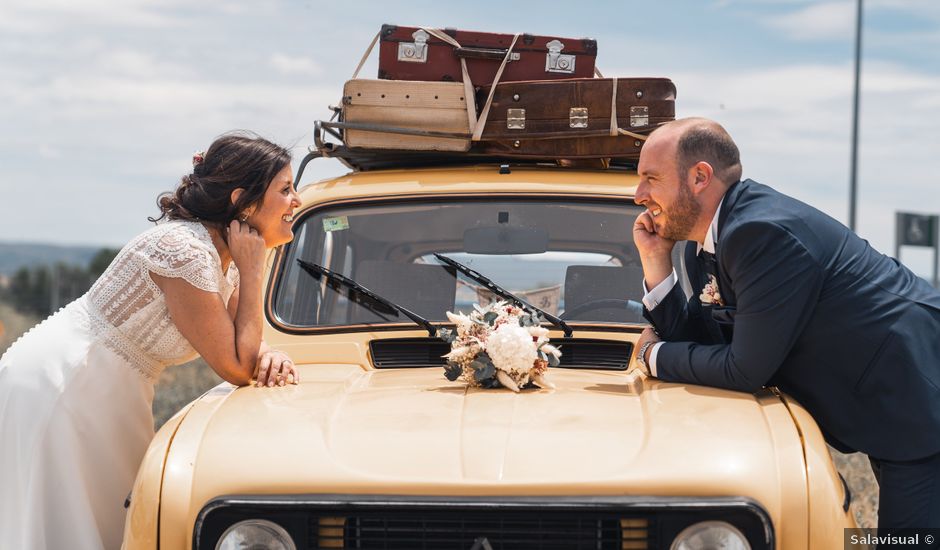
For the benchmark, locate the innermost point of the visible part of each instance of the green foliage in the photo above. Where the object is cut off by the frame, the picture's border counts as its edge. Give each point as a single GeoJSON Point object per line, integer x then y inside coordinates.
{"type": "Point", "coordinates": [491, 383]}
{"type": "Point", "coordinates": [530, 320]}
{"type": "Point", "coordinates": [446, 335]}
{"type": "Point", "coordinates": [452, 371]}
{"type": "Point", "coordinates": [483, 368]}
{"type": "Point", "coordinates": [101, 260]}
{"type": "Point", "coordinates": [43, 289]}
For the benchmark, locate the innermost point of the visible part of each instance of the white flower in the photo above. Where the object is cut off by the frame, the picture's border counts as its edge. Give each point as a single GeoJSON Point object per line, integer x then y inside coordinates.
{"type": "Point", "coordinates": [511, 348]}
{"type": "Point", "coordinates": [541, 333]}
{"type": "Point", "coordinates": [710, 294]}
{"type": "Point", "coordinates": [551, 350]}
{"type": "Point", "coordinates": [456, 353]}
{"type": "Point", "coordinates": [507, 381]}
{"type": "Point", "coordinates": [462, 321]}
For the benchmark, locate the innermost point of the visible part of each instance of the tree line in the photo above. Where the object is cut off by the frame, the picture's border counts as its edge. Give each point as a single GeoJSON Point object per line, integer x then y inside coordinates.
{"type": "Point", "coordinates": [41, 290]}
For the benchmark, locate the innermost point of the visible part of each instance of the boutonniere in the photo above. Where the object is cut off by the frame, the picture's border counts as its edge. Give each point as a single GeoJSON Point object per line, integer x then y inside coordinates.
{"type": "Point", "coordinates": [710, 295]}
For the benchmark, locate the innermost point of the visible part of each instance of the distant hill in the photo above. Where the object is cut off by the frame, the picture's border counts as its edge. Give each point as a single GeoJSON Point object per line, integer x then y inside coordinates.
{"type": "Point", "coordinates": [16, 255]}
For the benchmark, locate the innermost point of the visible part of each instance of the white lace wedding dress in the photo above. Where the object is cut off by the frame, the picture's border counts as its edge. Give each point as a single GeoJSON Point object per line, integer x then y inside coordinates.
{"type": "Point", "coordinates": [76, 393]}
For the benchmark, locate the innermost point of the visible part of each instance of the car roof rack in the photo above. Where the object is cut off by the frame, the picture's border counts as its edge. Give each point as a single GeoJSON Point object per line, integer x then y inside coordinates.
{"type": "Point", "coordinates": [363, 160]}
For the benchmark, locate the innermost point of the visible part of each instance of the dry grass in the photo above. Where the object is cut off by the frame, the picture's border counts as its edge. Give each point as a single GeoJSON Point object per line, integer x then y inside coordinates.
{"type": "Point", "coordinates": [856, 470]}
{"type": "Point", "coordinates": [178, 386]}
{"type": "Point", "coordinates": [12, 325]}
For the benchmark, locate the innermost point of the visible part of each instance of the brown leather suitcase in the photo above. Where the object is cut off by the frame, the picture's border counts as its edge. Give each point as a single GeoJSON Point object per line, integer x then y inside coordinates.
{"type": "Point", "coordinates": [412, 53]}
{"type": "Point", "coordinates": [572, 119]}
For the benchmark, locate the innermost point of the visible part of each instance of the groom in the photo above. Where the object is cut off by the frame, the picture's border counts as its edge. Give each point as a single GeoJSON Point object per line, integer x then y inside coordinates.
{"type": "Point", "coordinates": [783, 295]}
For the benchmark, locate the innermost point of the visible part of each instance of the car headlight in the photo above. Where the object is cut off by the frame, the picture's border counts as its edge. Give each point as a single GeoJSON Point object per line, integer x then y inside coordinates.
{"type": "Point", "coordinates": [710, 534]}
{"type": "Point", "coordinates": [255, 534]}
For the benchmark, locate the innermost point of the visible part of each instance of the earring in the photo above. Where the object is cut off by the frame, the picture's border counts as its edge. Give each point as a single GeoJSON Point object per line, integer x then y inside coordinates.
{"type": "Point", "coordinates": [243, 217]}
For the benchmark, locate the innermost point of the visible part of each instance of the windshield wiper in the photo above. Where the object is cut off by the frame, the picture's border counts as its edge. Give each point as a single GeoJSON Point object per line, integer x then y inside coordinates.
{"type": "Point", "coordinates": [316, 271]}
{"type": "Point", "coordinates": [502, 292]}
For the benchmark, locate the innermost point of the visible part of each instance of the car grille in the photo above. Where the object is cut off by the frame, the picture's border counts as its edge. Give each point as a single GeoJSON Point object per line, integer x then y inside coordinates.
{"type": "Point", "coordinates": [467, 523]}
{"type": "Point", "coordinates": [427, 352]}
{"type": "Point", "coordinates": [496, 530]}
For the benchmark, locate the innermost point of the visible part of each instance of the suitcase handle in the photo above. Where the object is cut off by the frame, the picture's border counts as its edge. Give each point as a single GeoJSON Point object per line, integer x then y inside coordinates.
{"type": "Point", "coordinates": [484, 53]}
{"type": "Point", "coordinates": [467, 84]}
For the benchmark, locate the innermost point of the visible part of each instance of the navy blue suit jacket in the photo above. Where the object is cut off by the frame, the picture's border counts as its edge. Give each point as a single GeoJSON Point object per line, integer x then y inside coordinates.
{"type": "Point", "coordinates": [812, 309]}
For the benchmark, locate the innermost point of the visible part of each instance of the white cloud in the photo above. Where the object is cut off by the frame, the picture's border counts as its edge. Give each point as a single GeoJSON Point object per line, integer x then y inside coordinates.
{"type": "Point", "coordinates": [136, 64]}
{"type": "Point", "coordinates": [921, 8]}
{"type": "Point", "coordinates": [294, 65]}
{"type": "Point", "coordinates": [823, 21]}
{"type": "Point", "coordinates": [105, 102]}
{"type": "Point", "coordinates": [761, 3]}
{"type": "Point", "coordinates": [50, 152]}
{"type": "Point", "coordinates": [44, 16]}
{"type": "Point", "coordinates": [881, 77]}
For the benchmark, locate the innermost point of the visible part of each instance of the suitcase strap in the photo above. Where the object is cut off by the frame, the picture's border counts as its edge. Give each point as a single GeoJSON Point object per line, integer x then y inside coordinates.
{"type": "Point", "coordinates": [485, 112]}
{"type": "Point", "coordinates": [467, 84]}
{"type": "Point", "coordinates": [616, 130]}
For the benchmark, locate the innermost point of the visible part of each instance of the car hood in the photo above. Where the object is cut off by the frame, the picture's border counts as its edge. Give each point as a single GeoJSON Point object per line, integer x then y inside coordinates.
{"type": "Point", "coordinates": [404, 431]}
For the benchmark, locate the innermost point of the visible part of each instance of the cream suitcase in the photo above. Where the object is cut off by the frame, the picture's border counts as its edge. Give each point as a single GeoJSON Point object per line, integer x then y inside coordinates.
{"type": "Point", "coordinates": [435, 112]}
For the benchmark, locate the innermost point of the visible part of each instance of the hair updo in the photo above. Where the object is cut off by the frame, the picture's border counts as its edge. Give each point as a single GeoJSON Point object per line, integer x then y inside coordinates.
{"type": "Point", "coordinates": [237, 160]}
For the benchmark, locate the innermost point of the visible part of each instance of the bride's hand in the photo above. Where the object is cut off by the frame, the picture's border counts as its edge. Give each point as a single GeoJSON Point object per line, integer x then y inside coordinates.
{"type": "Point", "coordinates": [276, 368]}
{"type": "Point", "coordinates": [246, 246]}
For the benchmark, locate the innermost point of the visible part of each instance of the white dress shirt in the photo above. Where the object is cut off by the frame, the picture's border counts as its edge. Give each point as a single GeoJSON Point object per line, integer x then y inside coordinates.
{"type": "Point", "coordinates": [652, 298]}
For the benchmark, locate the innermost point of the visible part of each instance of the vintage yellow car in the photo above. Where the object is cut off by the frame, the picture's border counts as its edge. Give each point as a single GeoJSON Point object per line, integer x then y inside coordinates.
{"type": "Point", "coordinates": [377, 449]}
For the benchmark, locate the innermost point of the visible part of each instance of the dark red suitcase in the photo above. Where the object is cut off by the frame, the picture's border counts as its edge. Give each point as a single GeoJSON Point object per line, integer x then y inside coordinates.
{"type": "Point", "coordinates": [410, 53]}
{"type": "Point", "coordinates": [572, 118]}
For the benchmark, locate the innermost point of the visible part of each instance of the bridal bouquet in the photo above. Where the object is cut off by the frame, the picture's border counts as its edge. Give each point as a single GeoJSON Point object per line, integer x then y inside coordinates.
{"type": "Point", "coordinates": [499, 345]}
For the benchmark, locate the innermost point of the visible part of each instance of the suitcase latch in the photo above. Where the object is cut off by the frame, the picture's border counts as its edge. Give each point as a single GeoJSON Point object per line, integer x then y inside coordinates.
{"type": "Point", "coordinates": [639, 116]}
{"type": "Point", "coordinates": [557, 62]}
{"type": "Point", "coordinates": [515, 119]}
{"type": "Point", "coordinates": [578, 117]}
{"type": "Point", "coordinates": [417, 51]}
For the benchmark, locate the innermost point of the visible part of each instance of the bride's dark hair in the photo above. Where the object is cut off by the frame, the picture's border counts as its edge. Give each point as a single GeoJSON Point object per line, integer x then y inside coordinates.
{"type": "Point", "coordinates": [234, 160]}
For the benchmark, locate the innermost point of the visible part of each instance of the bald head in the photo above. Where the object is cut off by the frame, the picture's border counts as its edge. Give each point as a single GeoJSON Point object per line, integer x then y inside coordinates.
{"type": "Point", "coordinates": [702, 140]}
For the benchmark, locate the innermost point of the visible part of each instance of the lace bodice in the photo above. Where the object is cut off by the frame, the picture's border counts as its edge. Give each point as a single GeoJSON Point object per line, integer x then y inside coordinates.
{"type": "Point", "coordinates": [127, 309]}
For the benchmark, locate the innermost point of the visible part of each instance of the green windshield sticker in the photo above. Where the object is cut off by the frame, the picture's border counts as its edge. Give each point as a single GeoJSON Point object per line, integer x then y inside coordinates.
{"type": "Point", "coordinates": [335, 224]}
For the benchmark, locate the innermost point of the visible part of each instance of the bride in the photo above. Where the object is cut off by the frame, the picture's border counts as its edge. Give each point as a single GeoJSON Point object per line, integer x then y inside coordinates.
{"type": "Point", "coordinates": [76, 391]}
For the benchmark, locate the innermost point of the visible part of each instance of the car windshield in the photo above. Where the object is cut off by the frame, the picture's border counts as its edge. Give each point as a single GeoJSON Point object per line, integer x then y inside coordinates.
{"type": "Point", "coordinates": [572, 258]}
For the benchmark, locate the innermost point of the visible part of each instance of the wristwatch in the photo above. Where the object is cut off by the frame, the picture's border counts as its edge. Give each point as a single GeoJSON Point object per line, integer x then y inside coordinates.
{"type": "Point", "coordinates": [641, 358]}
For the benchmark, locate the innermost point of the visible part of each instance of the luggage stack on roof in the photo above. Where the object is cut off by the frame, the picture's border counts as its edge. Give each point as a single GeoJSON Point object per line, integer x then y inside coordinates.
{"type": "Point", "coordinates": [448, 96]}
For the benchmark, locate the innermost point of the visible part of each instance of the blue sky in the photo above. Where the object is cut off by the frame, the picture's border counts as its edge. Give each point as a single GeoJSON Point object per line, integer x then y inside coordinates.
{"type": "Point", "coordinates": [102, 102]}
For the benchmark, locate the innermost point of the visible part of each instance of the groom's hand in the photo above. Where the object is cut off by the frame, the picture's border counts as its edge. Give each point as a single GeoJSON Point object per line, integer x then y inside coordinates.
{"type": "Point", "coordinates": [648, 335]}
{"type": "Point", "coordinates": [655, 250]}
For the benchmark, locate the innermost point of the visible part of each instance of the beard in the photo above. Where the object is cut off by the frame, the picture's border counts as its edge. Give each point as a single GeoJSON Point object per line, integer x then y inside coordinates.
{"type": "Point", "coordinates": [681, 216]}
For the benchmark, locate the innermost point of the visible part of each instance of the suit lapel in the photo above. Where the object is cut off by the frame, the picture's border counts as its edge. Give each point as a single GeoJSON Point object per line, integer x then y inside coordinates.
{"type": "Point", "coordinates": [732, 197]}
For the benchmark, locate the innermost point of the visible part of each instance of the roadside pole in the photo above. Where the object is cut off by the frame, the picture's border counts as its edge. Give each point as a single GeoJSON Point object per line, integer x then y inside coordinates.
{"type": "Point", "coordinates": [919, 230]}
